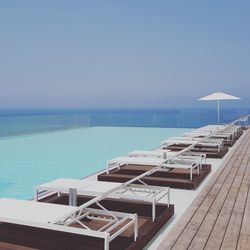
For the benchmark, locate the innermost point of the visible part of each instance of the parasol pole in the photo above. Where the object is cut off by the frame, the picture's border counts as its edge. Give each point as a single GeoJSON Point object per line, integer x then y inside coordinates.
{"type": "Point", "coordinates": [218, 112]}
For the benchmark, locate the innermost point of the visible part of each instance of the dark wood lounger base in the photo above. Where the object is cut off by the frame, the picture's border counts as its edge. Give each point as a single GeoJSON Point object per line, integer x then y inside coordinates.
{"type": "Point", "coordinates": [239, 134]}
{"type": "Point", "coordinates": [232, 142]}
{"type": "Point", "coordinates": [27, 238]}
{"type": "Point", "coordinates": [229, 143]}
{"type": "Point", "coordinates": [208, 151]}
{"type": "Point", "coordinates": [175, 178]}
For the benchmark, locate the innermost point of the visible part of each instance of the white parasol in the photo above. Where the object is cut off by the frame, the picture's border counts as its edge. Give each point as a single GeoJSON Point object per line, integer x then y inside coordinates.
{"type": "Point", "coordinates": [217, 96]}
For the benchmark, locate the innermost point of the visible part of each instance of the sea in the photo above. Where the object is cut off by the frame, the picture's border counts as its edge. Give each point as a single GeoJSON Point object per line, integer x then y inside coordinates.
{"type": "Point", "coordinates": [16, 121]}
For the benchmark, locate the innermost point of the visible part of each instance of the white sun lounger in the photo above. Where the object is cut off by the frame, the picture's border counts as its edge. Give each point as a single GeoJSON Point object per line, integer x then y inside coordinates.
{"type": "Point", "coordinates": [157, 162]}
{"type": "Point", "coordinates": [193, 139]}
{"type": "Point", "coordinates": [214, 128]}
{"type": "Point", "coordinates": [148, 153]}
{"type": "Point", "coordinates": [97, 188]}
{"type": "Point", "coordinates": [60, 218]}
{"type": "Point", "coordinates": [164, 153]}
{"type": "Point", "coordinates": [204, 133]}
{"type": "Point", "coordinates": [126, 160]}
{"type": "Point", "coordinates": [217, 143]}
{"type": "Point", "coordinates": [232, 130]}
{"type": "Point", "coordinates": [186, 160]}
{"type": "Point", "coordinates": [225, 132]}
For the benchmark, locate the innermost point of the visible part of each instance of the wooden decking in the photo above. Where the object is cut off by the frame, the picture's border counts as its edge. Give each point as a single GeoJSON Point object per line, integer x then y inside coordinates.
{"type": "Point", "coordinates": [219, 218]}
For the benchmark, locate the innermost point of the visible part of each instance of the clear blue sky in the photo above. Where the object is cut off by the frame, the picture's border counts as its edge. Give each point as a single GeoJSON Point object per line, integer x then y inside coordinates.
{"type": "Point", "coordinates": [134, 53]}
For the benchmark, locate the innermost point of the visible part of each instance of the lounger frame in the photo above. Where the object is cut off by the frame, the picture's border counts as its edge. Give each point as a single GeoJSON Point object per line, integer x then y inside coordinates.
{"type": "Point", "coordinates": [189, 141]}
{"type": "Point", "coordinates": [162, 153]}
{"type": "Point", "coordinates": [154, 194]}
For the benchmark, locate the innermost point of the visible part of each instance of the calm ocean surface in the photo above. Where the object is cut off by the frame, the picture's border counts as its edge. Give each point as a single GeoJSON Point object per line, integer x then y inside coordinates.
{"type": "Point", "coordinates": [24, 121]}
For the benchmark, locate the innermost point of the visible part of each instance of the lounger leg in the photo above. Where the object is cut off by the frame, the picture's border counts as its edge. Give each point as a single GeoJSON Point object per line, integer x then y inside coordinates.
{"type": "Point", "coordinates": [107, 170]}
{"type": "Point", "coordinates": [168, 196]}
{"type": "Point", "coordinates": [72, 197]}
{"type": "Point", "coordinates": [191, 174]}
{"type": "Point", "coordinates": [106, 243]}
{"type": "Point", "coordinates": [136, 228]}
{"type": "Point", "coordinates": [36, 194]}
{"type": "Point", "coordinates": [153, 209]}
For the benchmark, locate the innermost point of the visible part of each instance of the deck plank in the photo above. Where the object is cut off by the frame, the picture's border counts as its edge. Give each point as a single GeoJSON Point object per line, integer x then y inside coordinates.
{"type": "Point", "coordinates": [244, 239]}
{"type": "Point", "coordinates": [200, 222]}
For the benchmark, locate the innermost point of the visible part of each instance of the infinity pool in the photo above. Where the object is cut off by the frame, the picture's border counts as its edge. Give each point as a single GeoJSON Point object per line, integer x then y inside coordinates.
{"type": "Point", "coordinates": [26, 161]}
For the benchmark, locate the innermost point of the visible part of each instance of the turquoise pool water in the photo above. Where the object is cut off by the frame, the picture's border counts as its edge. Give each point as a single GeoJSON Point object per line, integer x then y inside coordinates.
{"type": "Point", "coordinates": [26, 161]}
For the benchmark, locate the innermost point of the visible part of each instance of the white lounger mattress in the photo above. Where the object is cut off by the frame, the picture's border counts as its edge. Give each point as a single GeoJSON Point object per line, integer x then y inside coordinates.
{"type": "Point", "coordinates": [82, 186]}
{"type": "Point", "coordinates": [162, 153]}
{"type": "Point", "coordinates": [190, 140]}
{"type": "Point", "coordinates": [137, 160]}
{"type": "Point", "coordinates": [197, 133]}
{"type": "Point", "coordinates": [94, 187]}
{"type": "Point", "coordinates": [148, 153]}
{"type": "Point", "coordinates": [31, 211]}
{"type": "Point", "coordinates": [220, 127]}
